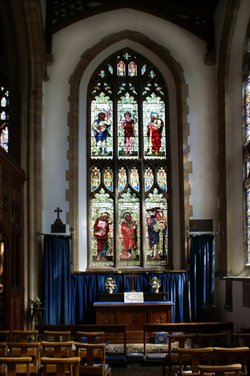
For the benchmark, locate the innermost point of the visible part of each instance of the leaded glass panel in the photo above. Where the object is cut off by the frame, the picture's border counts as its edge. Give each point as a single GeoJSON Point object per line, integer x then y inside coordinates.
{"type": "Point", "coordinates": [148, 178]}
{"type": "Point", "coordinates": [95, 178]}
{"type": "Point", "coordinates": [4, 118]}
{"type": "Point", "coordinates": [102, 127]}
{"type": "Point", "coordinates": [157, 228]}
{"type": "Point", "coordinates": [246, 138]}
{"type": "Point", "coordinates": [128, 190]}
{"type": "Point", "coordinates": [127, 109]}
{"type": "Point", "coordinates": [122, 179]}
{"type": "Point", "coordinates": [135, 179]}
{"type": "Point", "coordinates": [153, 128]}
{"type": "Point", "coordinates": [102, 229]}
{"type": "Point", "coordinates": [108, 179]}
{"type": "Point", "coordinates": [162, 178]}
{"type": "Point", "coordinates": [129, 229]}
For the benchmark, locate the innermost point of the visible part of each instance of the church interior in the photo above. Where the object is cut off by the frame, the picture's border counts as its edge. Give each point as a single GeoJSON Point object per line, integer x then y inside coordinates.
{"type": "Point", "coordinates": [124, 164]}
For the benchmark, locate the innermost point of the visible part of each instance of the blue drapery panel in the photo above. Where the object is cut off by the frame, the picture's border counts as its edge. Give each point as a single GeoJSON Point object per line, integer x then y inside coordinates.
{"type": "Point", "coordinates": [201, 274]}
{"type": "Point", "coordinates": [86, 286]}
{"type": "Point", "coordinates": [57, 280]}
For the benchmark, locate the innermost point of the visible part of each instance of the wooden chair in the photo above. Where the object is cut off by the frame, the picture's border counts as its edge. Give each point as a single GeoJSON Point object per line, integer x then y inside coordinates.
{"type": "Point", "coordinates": [3, 349]}
{"type": "Point", "coordinates": [196, 355]}
{"type": "Point", "coordinates": [213, 339]}
{"type": "Point", "coordinates": [57, 335]}
{"type": "Point", "coordinates": [175, 342]}
{"type": "Point", "coordinates": [242, 339]}
{"type": "Point", "coordinates": [62, 366]}
{"type": "Point", "coordinates": [3, 352]}
{"type": "Point", "coordinates": [9, 365]}
{"type": "Point", "coordinates": [227, 355]}
{"type": "Point", "coordinates": [56, 350]}
{"type": "Point", "coordinates": [220, 370]}
{"type": "Point", "coordinates": [24, 335]}
{"type": "Point", "coordinates": [26, 349]}
{"type": "Point", "coordinates": [93, 360]}
{"type": "Point", "coordinates": [4, 335]}
{"type": "Point", "coordinates": [90, 337]}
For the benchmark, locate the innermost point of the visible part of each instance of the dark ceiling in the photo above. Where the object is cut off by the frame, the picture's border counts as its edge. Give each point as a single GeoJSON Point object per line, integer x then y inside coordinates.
{"type": "Point", "coordinates": [193, 15]}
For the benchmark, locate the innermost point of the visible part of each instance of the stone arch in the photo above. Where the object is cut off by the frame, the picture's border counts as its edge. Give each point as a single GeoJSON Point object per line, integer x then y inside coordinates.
{"type": "Point", "coordinates": [182, 124]}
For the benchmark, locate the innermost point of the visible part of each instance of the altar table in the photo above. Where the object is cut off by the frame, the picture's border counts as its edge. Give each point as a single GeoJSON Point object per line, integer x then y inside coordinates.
{"type": "Point", "coordinates": [133, 315]}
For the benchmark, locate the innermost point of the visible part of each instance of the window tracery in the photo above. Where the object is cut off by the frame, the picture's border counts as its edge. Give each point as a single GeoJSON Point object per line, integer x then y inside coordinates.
{"type": "Point", "coordinates": [128, 164]}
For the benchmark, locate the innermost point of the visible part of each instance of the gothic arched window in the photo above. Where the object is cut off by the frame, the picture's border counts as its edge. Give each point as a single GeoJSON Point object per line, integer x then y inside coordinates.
{"type": "Point", "coordinates": [4, 120]}
{"type": "Point", "coordinates": [128, 164]}
{"type": "Point", "coordinates": [246, 138]}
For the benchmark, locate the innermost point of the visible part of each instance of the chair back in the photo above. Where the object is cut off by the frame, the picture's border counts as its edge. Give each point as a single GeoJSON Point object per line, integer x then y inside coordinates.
{"type": "Point", "coordinates": [57, 349]}
{"type": "Point", "coordinates": [213, 339]}
{"type": "Point", "coordinates": [229, 355]}
{"type": "Point", "coordinates": [26, 349]}
{"type": "Point", "coordinates": [220, 370]}
{"type": "Point", "coordinates": [90, 337]}
{"type": "Point", "coordinates": [24, 335]}
{"type": "Point", "coordinates": [62, 366]}
{"type": "Point", "coordinates": [3, 349]}
{"type": "Point", "coordinates": [9, 365]}
{"type": "Point", "coordinates": [92, 358]}
{"type": "Point", "coordinates": [57, 335]}
{"type": "Point", "coordinates": [241, 339]}
{"type": "Point", "coordinates": [177, 341]}
{"type": "Point", "coordinates": [4, 335]}
{"type": "Point", "coordinates": [191, 358]}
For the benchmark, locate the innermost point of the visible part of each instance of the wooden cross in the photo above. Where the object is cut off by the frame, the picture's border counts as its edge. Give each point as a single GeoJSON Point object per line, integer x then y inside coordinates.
{"type": "Point", "coordinates": [58, 210]}
{"type": "Point", "coordinates": [133, 276]}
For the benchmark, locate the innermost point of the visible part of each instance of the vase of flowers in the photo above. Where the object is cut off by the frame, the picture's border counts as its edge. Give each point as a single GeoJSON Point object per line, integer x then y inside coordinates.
{"type": "Point", "coordinates": [110, 285]}
{"type": "Point", "coordinates": [155, 284]}
{"type": "Point", "coordinates": [35, 303]}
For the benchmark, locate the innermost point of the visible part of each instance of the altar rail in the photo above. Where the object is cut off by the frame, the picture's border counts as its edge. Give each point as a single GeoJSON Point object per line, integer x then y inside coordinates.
{"type": "Point", "coordinates": [187, 327]}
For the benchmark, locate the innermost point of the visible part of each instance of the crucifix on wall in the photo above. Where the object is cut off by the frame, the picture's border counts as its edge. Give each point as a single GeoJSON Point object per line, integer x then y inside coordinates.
{"type": "Point", "coordinates": [58, 226]}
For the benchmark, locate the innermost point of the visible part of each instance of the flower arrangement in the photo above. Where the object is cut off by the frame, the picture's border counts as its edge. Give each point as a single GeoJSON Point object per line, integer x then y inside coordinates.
{"type": "Point", "coordinates": [35, 303]}
{"type": "Point", "coordinates": [110, 284]}
{"type": "Point", "coordinates": [155, 283]}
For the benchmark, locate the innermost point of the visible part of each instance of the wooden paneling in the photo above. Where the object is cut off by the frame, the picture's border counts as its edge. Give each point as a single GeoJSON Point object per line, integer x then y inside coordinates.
{"type": "Point", "coordinates": [133, 315]}
{"type": "Point", "coordinates": [11, 235]}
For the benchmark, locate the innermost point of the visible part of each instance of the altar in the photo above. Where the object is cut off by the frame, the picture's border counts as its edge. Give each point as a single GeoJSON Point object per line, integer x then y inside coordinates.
{"type": "Point", "coordinates": [133, 315]}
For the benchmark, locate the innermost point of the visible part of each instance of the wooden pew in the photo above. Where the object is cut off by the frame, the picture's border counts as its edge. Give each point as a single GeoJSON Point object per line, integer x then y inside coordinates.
{"type": "Point", "coordinates": [187, 327]}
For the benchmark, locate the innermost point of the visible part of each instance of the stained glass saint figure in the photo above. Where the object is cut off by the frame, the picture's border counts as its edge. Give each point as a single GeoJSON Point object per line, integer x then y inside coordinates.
{"type": "Point", "coordinates": [154, 133]}
{"type": "Point", "coordinates": [129, 236]}
{"type": "Point", "coordinates": [101, 132]}
{"type": "Point", "coordinates": [101, 233]}
{"type": "Point", "coordinates": [157, 231]}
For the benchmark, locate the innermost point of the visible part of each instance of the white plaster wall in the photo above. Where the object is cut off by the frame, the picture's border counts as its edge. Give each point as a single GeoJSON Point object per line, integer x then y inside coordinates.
{"type": "Point", "coordinates": [188, 50]}
{"type": "Point", "coordinates": [239, 314]}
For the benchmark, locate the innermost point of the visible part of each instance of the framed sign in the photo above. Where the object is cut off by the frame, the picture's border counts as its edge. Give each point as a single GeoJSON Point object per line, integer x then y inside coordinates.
{"type": "Point", "coordinates": [133, 297]}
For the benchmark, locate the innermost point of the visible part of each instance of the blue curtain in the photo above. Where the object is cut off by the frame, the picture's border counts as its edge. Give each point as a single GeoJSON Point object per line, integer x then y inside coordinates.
{"type": "Point", "coordinates": [201, 274]}
{"type": "Point", "coordinates": [57, 280]}
{"type": "Point", "coordinates": [85, 288]}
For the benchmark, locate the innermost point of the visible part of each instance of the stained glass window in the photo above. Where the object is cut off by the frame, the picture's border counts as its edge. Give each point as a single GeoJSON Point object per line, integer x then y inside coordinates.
{"type": "Point", "coordinates": [246, 138]}
{"type": "Point", "coordinates": [128, 161]}
{"type": "Point", "coordinates": [4, 120]}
